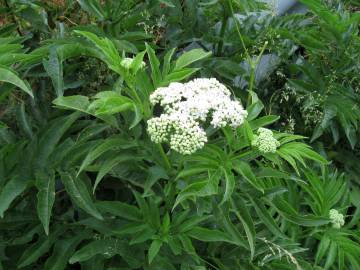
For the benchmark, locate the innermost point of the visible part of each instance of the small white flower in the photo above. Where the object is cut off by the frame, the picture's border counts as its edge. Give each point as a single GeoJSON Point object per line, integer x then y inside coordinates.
{"type": "Point", "coordinates": [126, 63]}
{"type": "Point", "coordinates": [265, 141]}
{"type": "Point", "coordinates": [187, 106]}
{"type": "Point", "coordinates": [337, 219]}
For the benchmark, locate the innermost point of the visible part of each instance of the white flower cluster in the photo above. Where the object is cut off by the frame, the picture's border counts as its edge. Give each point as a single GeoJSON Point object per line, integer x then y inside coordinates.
{"type": "Point", "coordinates": [337, 219]}
{"type": "Point", "coordinates": [265, 141]}
{"type": "Point", "coordinates": [188, 105]}
{"type": "Point", "coordinates": [126, 63]}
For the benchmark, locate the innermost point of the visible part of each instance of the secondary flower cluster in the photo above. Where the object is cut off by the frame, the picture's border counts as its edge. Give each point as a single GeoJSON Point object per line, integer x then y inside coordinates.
{"type": "Point", "coordinates": [186, 106]}
{"type": "Point", "coordinates": [126, 62]}
{"type": "Point", "coordinates": [337, 219]}
{"type": "Point", "coordinates": [265, 141]}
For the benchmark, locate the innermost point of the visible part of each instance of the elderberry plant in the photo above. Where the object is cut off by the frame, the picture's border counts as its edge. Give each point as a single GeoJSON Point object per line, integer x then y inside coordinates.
{"type": "Point", "coordinates": [157, 158]}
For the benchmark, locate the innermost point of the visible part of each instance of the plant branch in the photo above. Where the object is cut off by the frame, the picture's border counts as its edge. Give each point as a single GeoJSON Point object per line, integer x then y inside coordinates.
{"type": "Point", "coordinates": [164, 157]}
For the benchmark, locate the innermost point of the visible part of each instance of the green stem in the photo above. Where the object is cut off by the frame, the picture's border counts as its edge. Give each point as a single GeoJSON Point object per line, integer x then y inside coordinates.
{"type": "Point", "coordinates": [222, 33]}
{"type": "Point", "coordinates": [247, 54]}
{"type": "Point", "coordinates": [164, 157]}
{"type": "Point", "coordinates": [238, 32]}
{"type": "Point", "coordinates": [253, 65]}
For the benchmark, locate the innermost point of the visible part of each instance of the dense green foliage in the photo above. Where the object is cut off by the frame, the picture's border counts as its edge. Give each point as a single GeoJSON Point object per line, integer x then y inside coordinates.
{"type": "Point", "coordinates": [82, 186]}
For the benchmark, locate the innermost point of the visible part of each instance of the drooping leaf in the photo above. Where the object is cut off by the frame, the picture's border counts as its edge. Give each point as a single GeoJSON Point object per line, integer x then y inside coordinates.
{"type": "Point", "coordinates": [9, 76]}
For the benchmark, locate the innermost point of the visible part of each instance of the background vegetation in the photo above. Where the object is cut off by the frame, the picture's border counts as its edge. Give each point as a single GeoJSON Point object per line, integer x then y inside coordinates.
{"type": "Point", "coordinates": [82, 186]}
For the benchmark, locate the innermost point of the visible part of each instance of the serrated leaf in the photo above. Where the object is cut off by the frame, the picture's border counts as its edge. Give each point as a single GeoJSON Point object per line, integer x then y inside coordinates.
{"type": "Point", "coordinates": [78, 192]}
{"type": "Point", "coordinates": [54, 69]}
{"type": "Point", "coordinates": [45, 183]}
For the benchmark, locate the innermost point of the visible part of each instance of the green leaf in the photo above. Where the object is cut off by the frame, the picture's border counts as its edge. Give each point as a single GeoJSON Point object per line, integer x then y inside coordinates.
{"type": "Point", "coordinates": [76, 102]}
{"type": "Point", "coordinates": [142, 236]}
{"type": "Point", "coordinates": [155, 66]}
{"type": "Point", "coordinates": [38, 249]}
{"type": "Point", "coordinates": [155, 173]}
{"type": "Point", "coordinates": [331, 256]}
{"type": "Point", "coordinates": [120, 209]}
{"type": "Point", "coordinates": [263, 121]}
{"type": "Point", "coordinates": [244, 169]}
{"type": "Point", "coordinates": [23, 120]}
{"type": "Point", "coordinates": [322, 248]}
{"type": "Point", "coordinates": [63, 250]}
{"type": "Point", "coordinates": [222, 214]}
{"type": "Point", "coordinates": [178, 75]}
{"type": "Point", "coordinates": [265, 216]}
{"type": "Point", "coordinates": [187, 58]}
{"type": "Point", "coordinates": [167, 62]}
{"type": "Point", "coordinates": [112, 104]}
{"type": "Point", "coordinates": [108, 165]}
{"type": "Point", "coordinates": [197, 189]}
{"type": "Point", "coordinates": [229, 185]}
{"type": "Point", "coordinates": [12, 189]}
{"type": "Point", "coordinates": [289, 213]}
{"type": "Point", "coordinates": [8, 75]}
{"type": "Point", "coordinates": [82, 104]}
{"type": "Point", "coordinates": [54, 69]}
{"type": "Point", "coordinates": [93, 7]}
{"type": "Point", "coordinates": [208, 235]}
{"type": "Point", "coordinates": [45, 197]}
{"type": "Point", "coordinates": [52, 135]}
{"type": "Point", "coordinates": [154, 249]}
{"type": "Point", "coordinates": [103, 246]}
{"type": "Point", "coordinates": [254, 110]}
{"type": "Point", "coordinates": [78, 192]}
{"type": "Point", "coordinates": [137, 62]}
{"type": "Point", "coordinates": [103, 147]}
{"type": "Point", "coordinates": [108, 48]}
{"type": "Point", "coordinates": [242, 213]}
